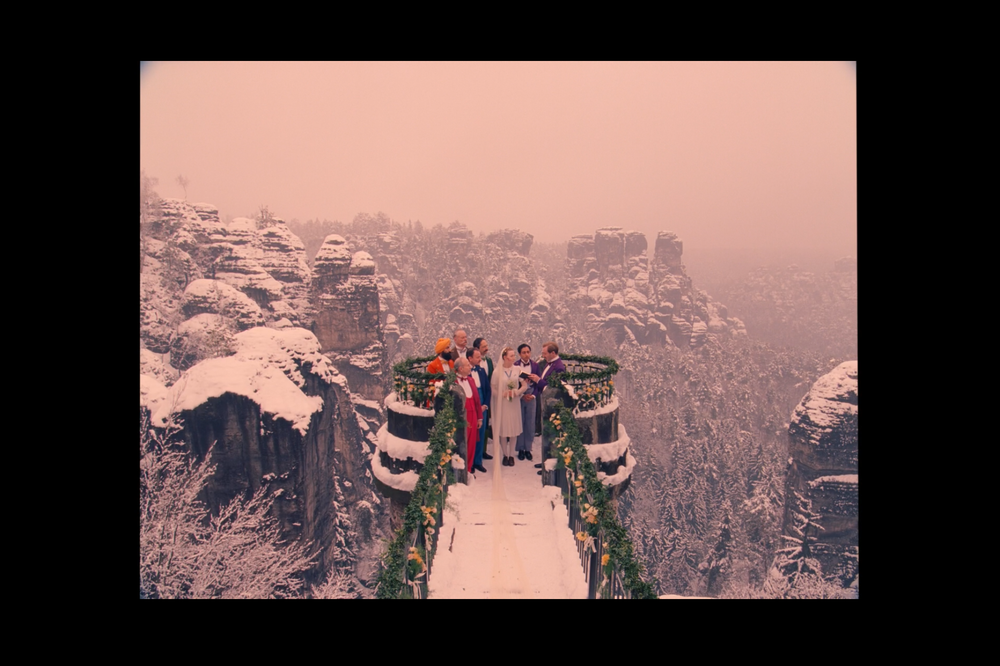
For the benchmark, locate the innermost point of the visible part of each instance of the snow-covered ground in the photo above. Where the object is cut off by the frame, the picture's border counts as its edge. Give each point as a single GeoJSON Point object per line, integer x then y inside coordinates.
{"type": "Point", "coordinates": [506, 536]}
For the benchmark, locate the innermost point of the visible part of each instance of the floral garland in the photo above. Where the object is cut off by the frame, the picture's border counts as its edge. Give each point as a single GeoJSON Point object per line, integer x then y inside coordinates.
{"type": "Point", "coordinates": [589, 390]}
{"type": "Point", "coordinates": [414, 385]}
{"type": "Point", "coordinates": [404, 572]}
{"type": "Point", "coordinates": [596, 509]}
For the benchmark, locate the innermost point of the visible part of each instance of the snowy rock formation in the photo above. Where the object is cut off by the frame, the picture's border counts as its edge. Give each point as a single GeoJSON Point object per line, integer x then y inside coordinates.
{"type": "Point", "coordinates": [224, 344]}
{"type": "Point", "coordinates": [650, 300]}
{"type": "Point", "coordinates": [277, 413]}
{"type": "Point", "coordinates": [823, 467]}
{"type": "Point", "coordinates": [346, 317]}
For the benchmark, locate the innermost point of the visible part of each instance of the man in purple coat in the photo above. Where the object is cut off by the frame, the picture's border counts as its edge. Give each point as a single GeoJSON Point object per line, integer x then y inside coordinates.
{"type": "Point", "coordinates": [553, 364]}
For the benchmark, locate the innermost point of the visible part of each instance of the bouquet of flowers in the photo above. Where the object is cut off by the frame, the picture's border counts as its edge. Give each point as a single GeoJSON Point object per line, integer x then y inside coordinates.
{"type": "Point", "coordinates": [510, 387]}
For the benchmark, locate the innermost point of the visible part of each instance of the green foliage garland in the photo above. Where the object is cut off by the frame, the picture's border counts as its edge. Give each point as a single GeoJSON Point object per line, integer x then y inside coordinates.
{"type": "Point", "coordinates": [603, 523]}
{"type": "Point", "coordinates": [592, 389]}
{"type": "Point", "coordinates": [405, 559]}
{"type": "Point", "coordinates": [413, 385]}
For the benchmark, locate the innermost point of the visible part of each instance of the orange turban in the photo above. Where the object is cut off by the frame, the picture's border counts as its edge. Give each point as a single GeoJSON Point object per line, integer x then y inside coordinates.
{"type": "Point", "coordinates": [443, 344]}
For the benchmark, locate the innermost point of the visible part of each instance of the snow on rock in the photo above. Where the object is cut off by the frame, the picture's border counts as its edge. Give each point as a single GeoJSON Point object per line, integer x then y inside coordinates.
{"type": "Point", "coordinates": [240, 265]}
{"type": "Point", "coordinates": [217, 297]}
{"type": "Point", "coordinates": [362, 264]}
{"type": "Point", "coordinates": [200, 220]}
{"type": "Point", "coordinates": [332, 263]}
{"type": "Point", "coordinates": [834, 478]}
{"type": "Point", "coordinates": [290, 349]}
{"type": "Point", "coordinates": [155, 311]}
{"type": "Point", "coordinates": [152, 393]}
{"type": "Point", "coordinates": [831, 400]}
{"type": "Point", "coordinates": [200, 337]}
{"type": "Point", "coordinates": [267, 368]}
{"type": "Point", "coordinates": [153, 364]}
{"type": "Point", "coordinates": [283, 255]}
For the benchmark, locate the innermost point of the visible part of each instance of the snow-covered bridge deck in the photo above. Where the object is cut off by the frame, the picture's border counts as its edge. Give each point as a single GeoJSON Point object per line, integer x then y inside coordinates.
{"type": "Point", "coordinates": [506, 536]}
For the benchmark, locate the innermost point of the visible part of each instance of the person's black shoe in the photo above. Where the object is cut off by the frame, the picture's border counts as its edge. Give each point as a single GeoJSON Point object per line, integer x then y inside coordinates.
{"type": "Point", "coordinates": [487, 456]}
{"type": "Point", "coordinates": [480, 468]}
{"type": "Point", "coordinates": [538, 464]}
{"type": "Point", "coordinates": [520, 455]}
{"type": "Point", "coordinates": [527, 454]}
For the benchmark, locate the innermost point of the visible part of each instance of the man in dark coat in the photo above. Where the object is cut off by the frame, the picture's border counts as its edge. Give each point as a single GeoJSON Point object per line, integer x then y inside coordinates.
{"type": "Point", "coordinates": [483, 346]}
{"type": "Point", "coordinates": [529, 402]}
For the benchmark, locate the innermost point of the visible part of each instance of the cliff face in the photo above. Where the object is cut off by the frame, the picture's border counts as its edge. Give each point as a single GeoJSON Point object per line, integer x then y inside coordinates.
{"type": "Point", "coordinates": [278, 414]}
{"type": "Point", "coordinates": [345, 308]}
{"type": "Point", "coordinates": [223, 349]}
{"type": "Point", "coordinates": [823, 469]}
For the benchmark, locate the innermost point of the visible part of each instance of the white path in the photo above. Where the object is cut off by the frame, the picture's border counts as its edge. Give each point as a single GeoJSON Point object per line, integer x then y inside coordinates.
{"type": "Point", "coordinates": [506, 536]}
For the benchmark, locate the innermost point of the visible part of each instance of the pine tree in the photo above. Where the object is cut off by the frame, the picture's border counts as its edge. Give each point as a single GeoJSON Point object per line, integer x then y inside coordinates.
{"type": "Point", "coordinates": [795, 567]}
{"type": "Point", "coordinates": [719, 561]}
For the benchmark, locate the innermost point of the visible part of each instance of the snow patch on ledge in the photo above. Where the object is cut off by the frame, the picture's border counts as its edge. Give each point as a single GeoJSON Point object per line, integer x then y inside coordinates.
{"type": "Point", "coordinates": [370, 404]}
{"type": "Point", "coordinates": [838, 478]}
{"type": "Point", "coordinates": [406, 481]}
{"type": "Point", "coordinates": [623, 472]}
{"type": "Point", "coordinates": [399, 448]}
{"type": "Point", "coordinates": [611, 450]}
{"type": "Point", "coordinates": [152, 392]}
{"type": "Point", "coordinates": [393, 402]}
{"type": "Point", "coordinates": [264, 384]}
{"type": "Point", "coordinates": [606, 409]}
{"type": "Point", "coordinates": [267, 368]}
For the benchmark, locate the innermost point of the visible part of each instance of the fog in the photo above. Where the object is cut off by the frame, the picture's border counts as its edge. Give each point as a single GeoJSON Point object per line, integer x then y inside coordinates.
{"type": "Point", "coordinates": [733, 157]}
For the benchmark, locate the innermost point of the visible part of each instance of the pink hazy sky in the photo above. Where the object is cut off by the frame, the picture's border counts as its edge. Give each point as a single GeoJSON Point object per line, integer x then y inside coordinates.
{"type": "Point", "coordinates": [727, 155]}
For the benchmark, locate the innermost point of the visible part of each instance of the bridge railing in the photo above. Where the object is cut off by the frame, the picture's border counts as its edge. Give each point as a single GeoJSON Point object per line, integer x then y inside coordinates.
{"type": "Point", "coordinates": [408, 559]}
{"type": "Point", "coordinates": [606, 551]}
{"type": "Point", "coordinates": [588, 380]}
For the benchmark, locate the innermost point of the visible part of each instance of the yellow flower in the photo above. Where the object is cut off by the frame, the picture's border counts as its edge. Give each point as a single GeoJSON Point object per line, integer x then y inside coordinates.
{"type": "Point", "coordinates": [579, 491]}
{"type": "Point", "coordinates": [578, 483]}
{"type": "Point", "coordinates": [604, 559]}
{"type": "Point", "coordinates": [415, 556]}
{"type": "Point", "coordinates": [581, 536]}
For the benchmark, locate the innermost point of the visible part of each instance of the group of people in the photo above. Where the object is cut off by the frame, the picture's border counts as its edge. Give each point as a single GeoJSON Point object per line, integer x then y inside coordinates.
{"type": "Point", "coordinates": [500, 400]}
